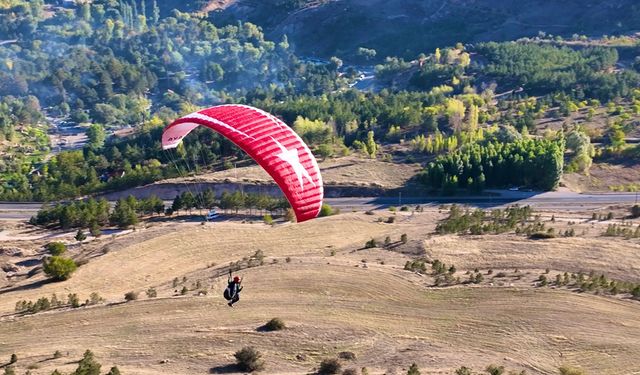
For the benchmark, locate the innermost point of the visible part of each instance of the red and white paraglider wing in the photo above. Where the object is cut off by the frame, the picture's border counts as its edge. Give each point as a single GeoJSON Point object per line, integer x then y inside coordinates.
{"type": "Point", "coordinates": [270, 142]}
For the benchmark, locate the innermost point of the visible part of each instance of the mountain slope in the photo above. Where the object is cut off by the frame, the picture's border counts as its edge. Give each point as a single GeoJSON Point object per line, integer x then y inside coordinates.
{"type": "Point", "coordinates": [326, 28]}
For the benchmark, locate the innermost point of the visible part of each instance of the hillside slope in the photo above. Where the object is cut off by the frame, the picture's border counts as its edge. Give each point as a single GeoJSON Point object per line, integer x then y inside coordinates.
{"type": "Point", "coordinates": [326, 28]}
{"type": "Point", "coordinates": [334, 296]}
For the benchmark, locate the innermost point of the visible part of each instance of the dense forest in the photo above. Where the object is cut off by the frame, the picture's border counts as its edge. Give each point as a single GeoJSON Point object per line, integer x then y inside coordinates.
{"type": "Point", "coordinates": [109, 64]}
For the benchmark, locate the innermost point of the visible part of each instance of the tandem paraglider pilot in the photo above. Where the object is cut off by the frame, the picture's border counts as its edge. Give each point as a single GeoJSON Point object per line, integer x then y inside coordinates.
{"type": "Point", "coordinates": [234, 287]}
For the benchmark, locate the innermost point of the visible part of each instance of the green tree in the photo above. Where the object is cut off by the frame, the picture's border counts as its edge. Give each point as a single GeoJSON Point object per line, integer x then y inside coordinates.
{"type": "Point", "coordinates": [96, 135]}
{"type": "Point", "coordinates": [59, 268]}
{"type": "Point", "coordinates": [371, 145]}
{"type": "Point", "coordinates": [124, 215]}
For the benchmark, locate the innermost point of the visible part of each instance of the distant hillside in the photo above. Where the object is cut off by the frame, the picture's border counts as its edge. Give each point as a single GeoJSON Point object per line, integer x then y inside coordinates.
{"type": "Point", "coordinates": [330, 27]}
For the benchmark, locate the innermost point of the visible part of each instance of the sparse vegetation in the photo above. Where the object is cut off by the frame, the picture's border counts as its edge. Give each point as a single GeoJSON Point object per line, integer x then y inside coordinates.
{"type": "Point", "coordinates": [131, 296]}
{"type": "Point", "coordinates": [413, 370]}
{"type": "Point", "coordinates": [56, 248]}
{"type": "Point", "coordinates": [567, 370]}
{"type": "Point", "coordinates": [249, 359]}
{"type": "Point", "coordinates": [275, 324]}
{"type": "Point", "coordinates": [325, 210]}
{"type": "Point", "coordinates": [151, 292]}
{"type": "Point", "coordinates": [329, 366]}
{"type": "Point", "coordinates": [267, 219]}
{"type": "Point", "coordinates": [349, 356]}
{"type": "Point", "coordinates": [478, 222]}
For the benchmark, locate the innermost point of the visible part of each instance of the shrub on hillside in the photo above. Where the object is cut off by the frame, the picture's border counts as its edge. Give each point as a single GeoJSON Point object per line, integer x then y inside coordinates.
{"type": "Point", "coordinates": [249, 359]}
{"type": "Point", "coordinates": [325, 210]}
{"type": "Point", "coordinates": [131, 296]}
{"type": "Point", "coordinates": [329, 366]}
{"type": "Point", "coordinates": [59, 268]}
{"type": "Point", "coordinates": [56, 248]}
{"type": "Point", "coordinates": [267, 219]}
{"type": "Point", "coordinates": [350, 356]}
{"type": "Point", "coordinates": [275, 324]}
{"type": "Point", "coordinates": [370, 244]}
{"type": "Point", "coordinates": [495, 370]}
{"type": "Point", "coordinates": [413, 370]}
{"type": "Point", "coordinates": [80, 235]}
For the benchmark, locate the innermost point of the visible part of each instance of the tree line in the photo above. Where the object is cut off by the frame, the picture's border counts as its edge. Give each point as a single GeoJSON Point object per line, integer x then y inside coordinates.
{"type": "Point", "coordinates": [535, 163]}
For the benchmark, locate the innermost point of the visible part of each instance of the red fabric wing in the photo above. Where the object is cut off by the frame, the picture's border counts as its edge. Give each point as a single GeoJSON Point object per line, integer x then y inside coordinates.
{"type": "Point", "coordinates": [270, 142]}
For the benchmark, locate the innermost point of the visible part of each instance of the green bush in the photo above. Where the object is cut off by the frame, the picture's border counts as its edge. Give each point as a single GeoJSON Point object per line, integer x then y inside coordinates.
{"type": "Point", "coordinates": [267, 219]}
{"type": "Point", "coordinates": [56, 248]}
{"type": "Point", "coordinates": [325, 210]}
{"type": "Point", "coordinates": [249, 359]}
{"type": "Point", "coordinates": [329, 366]}
{"type": "Point", "coordinates": [14, 358]}
{"type": "Point", "coordinates": [59, 268]}
{"type": "Point", "coordinates": [275, 324]}
{"type": "Point", "coordinates": [370, 244]}
{"type": "Point", "coordinates": [80, 235]}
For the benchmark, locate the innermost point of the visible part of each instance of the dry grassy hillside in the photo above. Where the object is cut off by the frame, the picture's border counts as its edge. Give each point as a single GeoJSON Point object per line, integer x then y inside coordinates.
{"type": "Point", "coordinates": [334, 296]}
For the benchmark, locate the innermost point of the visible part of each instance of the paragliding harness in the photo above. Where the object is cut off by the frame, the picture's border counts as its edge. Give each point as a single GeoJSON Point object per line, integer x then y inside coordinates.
{"type": "Point", "coordinates": [232, 292]}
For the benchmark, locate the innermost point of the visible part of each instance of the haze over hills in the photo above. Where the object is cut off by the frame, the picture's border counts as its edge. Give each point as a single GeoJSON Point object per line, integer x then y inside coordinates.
{"type": "Point", "coordinates": [327, 28]}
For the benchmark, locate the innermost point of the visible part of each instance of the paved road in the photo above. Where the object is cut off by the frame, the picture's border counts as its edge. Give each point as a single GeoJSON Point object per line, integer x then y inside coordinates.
{"type": "Point", "coordinates": [562, 201]}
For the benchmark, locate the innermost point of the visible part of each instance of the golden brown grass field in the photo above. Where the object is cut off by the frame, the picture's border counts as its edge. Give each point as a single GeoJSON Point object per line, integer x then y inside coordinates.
{"type": "Point", "coordinates": [334, 296]}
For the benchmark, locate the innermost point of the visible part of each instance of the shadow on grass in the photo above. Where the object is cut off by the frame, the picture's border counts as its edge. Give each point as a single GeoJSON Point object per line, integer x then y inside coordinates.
{"type": "Point", "coordinates": [226, 369]}
{"type": "Point", "coordinates": [32, 285]}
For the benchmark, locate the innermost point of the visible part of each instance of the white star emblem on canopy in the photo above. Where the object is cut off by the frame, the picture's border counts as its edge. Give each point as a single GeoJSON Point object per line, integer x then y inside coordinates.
{"type": "Point", "coordinates": [293, 159]}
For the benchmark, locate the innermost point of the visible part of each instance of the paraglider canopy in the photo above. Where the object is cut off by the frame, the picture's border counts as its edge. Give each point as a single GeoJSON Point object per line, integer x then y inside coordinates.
{"type": "Point", "coordinates": [270, 142]}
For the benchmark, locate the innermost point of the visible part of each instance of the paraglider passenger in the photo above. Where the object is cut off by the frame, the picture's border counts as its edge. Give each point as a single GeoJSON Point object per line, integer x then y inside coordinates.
{"type": "Point", "coordinates": [232, 293]}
